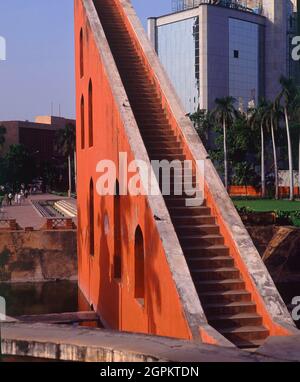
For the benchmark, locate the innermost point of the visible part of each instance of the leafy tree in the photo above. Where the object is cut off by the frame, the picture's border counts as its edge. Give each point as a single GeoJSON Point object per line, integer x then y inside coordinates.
{"type": "Point", "coordinates": [18, 166]}
{"type": "Point", "coordinates": [242, 148]}
{"type": "Point", "coordinates": [2, 137]}
{"type": "Point", "coordinates": [203, 123]}
{"type": "Point", "coordinates": [2, 141]}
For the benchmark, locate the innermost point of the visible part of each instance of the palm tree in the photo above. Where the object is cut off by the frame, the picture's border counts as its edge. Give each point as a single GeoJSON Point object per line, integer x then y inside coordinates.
{"type": "Point", "coordinates": [66, 142]}
{"type": "Point", "coordinates": [295, 107]}
{"type": "Point", "coordinates": [258, 117]}
{"type": "Point", "coordinates": [224, 114]}
{"type": "Point", "coordinates": [274, 114]}
{"type": "Point", "coordinates": [287, 96]}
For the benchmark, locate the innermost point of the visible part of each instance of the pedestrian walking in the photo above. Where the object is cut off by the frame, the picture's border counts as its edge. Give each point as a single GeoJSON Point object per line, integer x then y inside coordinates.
{"type": "Point", "coordinates": [10, 198]}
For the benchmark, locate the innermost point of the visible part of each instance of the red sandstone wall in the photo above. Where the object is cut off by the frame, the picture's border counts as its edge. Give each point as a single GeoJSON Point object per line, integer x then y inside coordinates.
{"type": "Point", "coordinates": [114, 301]}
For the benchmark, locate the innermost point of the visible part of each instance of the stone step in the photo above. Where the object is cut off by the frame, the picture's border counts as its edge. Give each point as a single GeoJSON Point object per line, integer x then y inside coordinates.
{"type": "Point", "coordinates": [225, 297]}
{"type": "Point", "coordinates": [156, 133]}
{"type": "Point", "coordinates": [165, 150]}
{"type": "Point", "coordinates": [211, 262]}
{"type": "Point", "coordinates": [229, 308]}
{"type": "Point", "coordinates": [166, 142]}
{"type": "Point", "coordinates": [215, 274]}
{"type": "Point", "coordinates": [181, 202]}
{"type": "Point", "coordinates": [204, 240]}
{"type": "Point", "coordinates": [236, 320]}
{"type": "Point", "coordinates": [193, 220]}
{"type": "Point", "coordinates": [222, 285]}
{"type": "Point", "coordinates": [204, 229]}
{"type": "Point", "coordinates": [250, 346]}
{"type": "Point", "coordinates": [168, 157]}
{"type": "Point", "coordinates": [210, 250]}
{"type": "Point", "coordinates": [245, 333]}
{"type": "Point", "coordinates": [189, 211]}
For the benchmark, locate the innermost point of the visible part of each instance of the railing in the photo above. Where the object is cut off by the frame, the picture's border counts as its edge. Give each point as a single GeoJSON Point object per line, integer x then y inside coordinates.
{"type": "Point", "coordinates": [242, 5]}
{"type": "Point", "coordinates": [8, 224]}
{"type": "Point", "coordinates": [59, 224]}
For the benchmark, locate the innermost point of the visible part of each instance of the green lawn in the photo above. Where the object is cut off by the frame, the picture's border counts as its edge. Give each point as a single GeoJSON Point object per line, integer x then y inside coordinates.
{"type": "Point", "coordinates": [263, 205]}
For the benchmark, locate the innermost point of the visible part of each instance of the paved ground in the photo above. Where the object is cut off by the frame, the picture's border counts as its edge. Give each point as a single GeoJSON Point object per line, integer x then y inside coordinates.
{"type": "Point", "coordinates": [67, 343]}
{"type": "Point", "coordinates": [26, 215]}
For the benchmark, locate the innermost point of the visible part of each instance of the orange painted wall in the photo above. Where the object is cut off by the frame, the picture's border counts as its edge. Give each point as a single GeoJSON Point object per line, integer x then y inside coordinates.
{"type": "Point", "coordinates": [284, 192]}
{"type": "Point", "coordinates": [113, 300]}
{"type": "Point", "coordinates": [244, 191]}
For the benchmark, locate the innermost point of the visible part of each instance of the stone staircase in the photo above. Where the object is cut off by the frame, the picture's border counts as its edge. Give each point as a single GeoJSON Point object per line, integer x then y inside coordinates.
{"type": "Point", "coordinates": [228, 305]}
{"type": "Point", "coordinates": [66, 208]}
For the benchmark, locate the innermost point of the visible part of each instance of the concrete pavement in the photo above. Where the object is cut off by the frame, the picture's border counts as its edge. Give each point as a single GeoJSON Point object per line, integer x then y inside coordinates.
{"type": "Point", "coordinates": [26, 215]}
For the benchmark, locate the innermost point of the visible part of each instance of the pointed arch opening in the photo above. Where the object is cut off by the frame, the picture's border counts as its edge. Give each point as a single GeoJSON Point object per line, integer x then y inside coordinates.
{"type": "Point", "coordinates": [139, 266]}
{"type": "Point", "coordinates": [81, 54]}
{"type": "Point", "coordinates": [117, 234]}
{"type": "Point", "coordinates": [82, 123]}
{"type": "Point", "coordinates": [92, 218]}
{"type": "Point", "coordinates": [91, 115]}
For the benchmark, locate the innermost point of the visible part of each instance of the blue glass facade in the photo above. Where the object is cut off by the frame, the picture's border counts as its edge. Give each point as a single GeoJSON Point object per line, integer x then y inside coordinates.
{"type": "Point", "coordinates": [178, 50]}
{"type": "Point", "coordinates": [244, 66]}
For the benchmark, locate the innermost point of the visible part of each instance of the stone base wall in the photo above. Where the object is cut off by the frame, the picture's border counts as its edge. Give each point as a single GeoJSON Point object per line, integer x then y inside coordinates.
{"type": "Point", "coordinates": [38, 256]}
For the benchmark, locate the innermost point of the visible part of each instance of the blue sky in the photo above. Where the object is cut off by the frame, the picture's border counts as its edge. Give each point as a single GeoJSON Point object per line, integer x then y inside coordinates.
{"type": "Point", "coordinates": [40, 55]}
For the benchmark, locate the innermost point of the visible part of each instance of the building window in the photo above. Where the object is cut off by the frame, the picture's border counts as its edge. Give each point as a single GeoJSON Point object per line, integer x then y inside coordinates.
{"type": "Point", "coordinates": [117, 235]}
{"type": "Point", "coordinates": [139, 267]}
{"type": "Point", "coordinates": [236, 54]}
{"type": "Point", "coordinates": [92, 218]}
{"type": "Point", "coordinates": [81, 54]}
{"type": "Point", "coordinates": [91, 116]}
{"type": "Point", "coordinates": [82, 123]}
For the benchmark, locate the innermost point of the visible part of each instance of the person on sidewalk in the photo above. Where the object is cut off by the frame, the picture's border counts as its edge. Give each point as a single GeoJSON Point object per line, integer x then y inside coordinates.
{"type": "Point", "coordinates": [10, 198]}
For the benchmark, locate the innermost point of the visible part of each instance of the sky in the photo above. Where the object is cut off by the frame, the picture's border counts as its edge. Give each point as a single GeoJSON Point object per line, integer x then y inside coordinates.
{"type": "Point", "coordinates": [39, 69]}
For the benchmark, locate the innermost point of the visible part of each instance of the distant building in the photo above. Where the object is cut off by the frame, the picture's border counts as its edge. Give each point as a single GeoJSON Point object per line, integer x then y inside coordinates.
{"type": "Point", "coordinates": [217, 48]}
{"type": "Point", "coordinates": [38, 137]}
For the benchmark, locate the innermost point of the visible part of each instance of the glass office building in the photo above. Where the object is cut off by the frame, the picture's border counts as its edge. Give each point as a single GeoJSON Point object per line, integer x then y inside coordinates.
{"type": "Point", "coordinates": [178, 49]}
{"type": "Point", "coordinates": [211, 52]}
{"type": "Point", "coordinates": [244, 65]}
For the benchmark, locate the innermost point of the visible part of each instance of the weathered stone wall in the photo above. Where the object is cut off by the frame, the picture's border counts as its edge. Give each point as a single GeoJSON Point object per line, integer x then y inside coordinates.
{"type": "Point", "coordinates": [261, 236]}
{"type": "Point", "coordinates": [67, 343]}
{"type": "Point", "coordinates": [280, 250]}
{"type": "Point", "coordinates": [38, 256]}
{"type": "Point", "coordinates": [282, 256]}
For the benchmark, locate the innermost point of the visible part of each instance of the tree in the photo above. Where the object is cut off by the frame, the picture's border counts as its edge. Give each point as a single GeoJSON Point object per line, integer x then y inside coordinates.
{"type": "Point", "coordinates": [288, 96]}
{"type": "Point", "coordinates": [2, 141]}
{"type": "Point", "coordinates": [224, 114]}
{"type": "Point", "coordinates": [203, 124]}
{"type": "Point", "coordinates": [274, 114]}
{"type": "Point", "coordinates": [295, 129]}
{"type": "Point", "coordinates": [19, 166]}
{"type": "Point", "coordinates": [66, 144]}
{"type": "Point", "coordinates": [258, 117]}
{"type": "Point", "coordinates": [2, 136]}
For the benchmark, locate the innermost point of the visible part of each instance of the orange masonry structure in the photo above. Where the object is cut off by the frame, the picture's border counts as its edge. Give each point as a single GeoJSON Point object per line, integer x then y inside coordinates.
{"type": "Point", "coordinates": [149, 263]}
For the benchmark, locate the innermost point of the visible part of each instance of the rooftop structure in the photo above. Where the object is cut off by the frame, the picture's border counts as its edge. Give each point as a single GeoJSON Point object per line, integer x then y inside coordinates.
{"type": "Point", "coordinates": [242, 5]}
